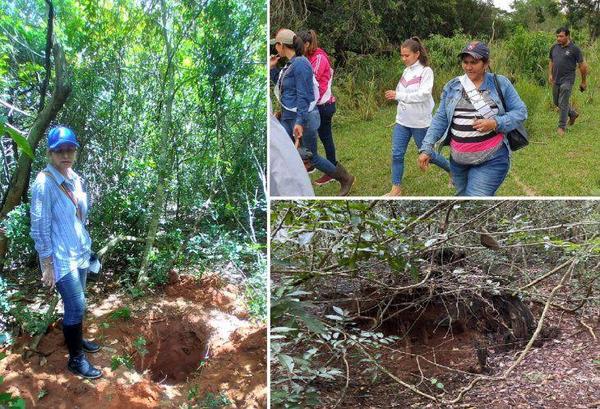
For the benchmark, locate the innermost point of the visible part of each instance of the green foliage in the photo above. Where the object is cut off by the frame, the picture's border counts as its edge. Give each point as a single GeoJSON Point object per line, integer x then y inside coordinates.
{"type": "Point", "coordinates": [209, 401]}
{"type": "Point", "coordinates": [31, 321]}
{"type": "Point", "coordinates": [295, 327]}
{"type": "Point", "coordinates": [116, 54]}
{"type": "Point", "coordinates": [235, 256]}
{"type": "Point", "coordinates": [118, 360]}
{"type": "Point", "coordinates": [123, 313]}
{"type": "Point", "coordinates": [17, 227]}
{"type": "Point", "coordinates": [5, 303]}
{"type": "Point", "coordinates": [212, 401]}
{"type": "Point", "coordinates": [347, 27]}
{"type": "Point", "coordinates": [527, 55]}
{"type": "Point", "coordinates": [8, 400]}
{"type": "Point", "coordinates": [140, 346]}
{"type": "Point", "coordinates": [19, 139]}
{"type": "Point", "coordinates": [443, 52]}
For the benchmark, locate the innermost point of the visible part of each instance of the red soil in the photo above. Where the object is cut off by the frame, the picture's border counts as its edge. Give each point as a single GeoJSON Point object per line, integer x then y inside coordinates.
{"type": "Point", "coordinates": [190, 321]}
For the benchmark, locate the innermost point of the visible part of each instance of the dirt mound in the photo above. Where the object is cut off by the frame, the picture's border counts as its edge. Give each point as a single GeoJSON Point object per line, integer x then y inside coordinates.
{"type": "Point", "coordinates": [162, 351]}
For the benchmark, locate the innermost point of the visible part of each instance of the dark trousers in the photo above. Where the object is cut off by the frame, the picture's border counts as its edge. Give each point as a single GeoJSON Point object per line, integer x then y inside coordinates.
{"type": "Point", "coordinates": [560, 95]}
{"type": "Point", "coordinates": [325, 135]}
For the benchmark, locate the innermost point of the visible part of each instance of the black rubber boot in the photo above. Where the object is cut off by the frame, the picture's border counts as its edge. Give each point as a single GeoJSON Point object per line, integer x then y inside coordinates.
{"type": "Point", "coordinates": [346, 180]}
{"type": "Point", "coordinates": [90, 346]}
{"type": "Point", "coordinates": [78, 363]}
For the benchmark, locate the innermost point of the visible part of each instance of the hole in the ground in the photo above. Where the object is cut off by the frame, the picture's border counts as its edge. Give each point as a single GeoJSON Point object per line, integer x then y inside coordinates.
{"type": "Point", "coordinates": [174, 351]}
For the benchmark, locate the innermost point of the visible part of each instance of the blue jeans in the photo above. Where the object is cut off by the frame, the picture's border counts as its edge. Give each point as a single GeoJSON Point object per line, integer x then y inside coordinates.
{"type": "Point", "coordinates": [400, 138]}
{"type": "Point", "coordinates": [72, 291]}
{"type": "Point", "coordinates": [483, 179]}
{"type": "Point", "coordinates": [325, 135]}
{"type": "Point", "coordinates": [309, 140]}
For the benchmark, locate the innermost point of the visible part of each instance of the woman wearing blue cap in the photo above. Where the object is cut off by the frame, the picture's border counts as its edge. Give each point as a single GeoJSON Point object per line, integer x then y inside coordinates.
{"type": "Point", "coordinates": [474, 121]}
{"type": "Point", "coordinates": [59, 209]}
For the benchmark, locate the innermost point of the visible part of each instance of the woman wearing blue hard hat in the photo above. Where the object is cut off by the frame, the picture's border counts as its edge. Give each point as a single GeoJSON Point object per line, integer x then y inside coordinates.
{"type": "Point", "coordinates": [59, 209]}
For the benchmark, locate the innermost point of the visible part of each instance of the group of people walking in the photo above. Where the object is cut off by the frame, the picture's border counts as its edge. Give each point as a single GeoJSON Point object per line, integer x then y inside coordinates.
{"type": "Point", "coordinates": [476, 112]}
{"type": "Point", "coordinates": [303, 89]}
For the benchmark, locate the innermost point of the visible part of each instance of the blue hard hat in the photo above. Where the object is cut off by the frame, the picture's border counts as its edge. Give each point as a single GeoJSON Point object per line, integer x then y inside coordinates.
{"type": "Point", "coordinates": [61, 135]}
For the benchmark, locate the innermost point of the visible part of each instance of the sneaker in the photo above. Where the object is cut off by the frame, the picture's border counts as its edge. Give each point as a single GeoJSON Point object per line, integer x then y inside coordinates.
{"type": "Point", "coordinates": [311, 169]}
{"type": "Point", "coordinates": [82, 367]}
{"type": "Point", "coordinates": [323, 180]}
{"type": "Point", "coordinates": [573, 118]}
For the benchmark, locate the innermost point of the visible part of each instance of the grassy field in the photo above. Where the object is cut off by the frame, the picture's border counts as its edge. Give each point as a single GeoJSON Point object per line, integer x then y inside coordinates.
{"type": "Point", "coordinates": [549, 166]}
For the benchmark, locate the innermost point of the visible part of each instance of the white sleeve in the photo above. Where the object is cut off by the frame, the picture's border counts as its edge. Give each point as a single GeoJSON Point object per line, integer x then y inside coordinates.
{"type": "Point", "coordinates": [288, 176]}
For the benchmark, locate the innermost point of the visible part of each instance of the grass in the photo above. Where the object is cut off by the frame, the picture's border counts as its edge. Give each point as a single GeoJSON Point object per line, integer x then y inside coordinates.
{"type": "Point", "coordinates": [549, 166]}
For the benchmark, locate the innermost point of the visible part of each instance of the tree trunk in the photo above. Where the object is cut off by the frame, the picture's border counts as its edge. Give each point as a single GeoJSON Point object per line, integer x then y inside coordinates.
{"type": "Point", "coordinates": [18, 181]}
{"type": "Point", "coordinates": [164, 160]}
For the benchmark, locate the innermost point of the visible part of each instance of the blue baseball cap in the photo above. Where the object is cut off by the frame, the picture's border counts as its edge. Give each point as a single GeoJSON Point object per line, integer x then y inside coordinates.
{"type": "Point", "coordinates": [477, 50]}
{"type": "Point", "coordinates": [61, 135]}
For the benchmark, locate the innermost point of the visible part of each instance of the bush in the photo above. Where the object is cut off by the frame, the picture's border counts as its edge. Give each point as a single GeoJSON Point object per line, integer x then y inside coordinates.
{"type": "Point", "coordinates": [526, 55]}
{"type": "Point", "coordinates": [17, 226]}
{"type": "Point", "coordinates": [443, 52]}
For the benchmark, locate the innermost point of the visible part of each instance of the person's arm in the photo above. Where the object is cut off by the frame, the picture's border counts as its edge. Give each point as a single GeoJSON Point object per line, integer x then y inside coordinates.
{"type": "Point", "coordinates": [516, 110]}
{"type": "Point", "coordinates": [303, 78]}
{"type": "Point", "coordinates": [41, 222]}
{"type": "Point", "coordinates": [550, 66]}
{"type": "Point", "coordinates": [583, 69]}
{"type": "Point", "coordinates": [274, 72]}
{"type": "Point", "coordinates": [322, 70]}
{"type": "Point", "coordinates": [422, 94]}
{"type": "Point", "coordinates": [438, 127]}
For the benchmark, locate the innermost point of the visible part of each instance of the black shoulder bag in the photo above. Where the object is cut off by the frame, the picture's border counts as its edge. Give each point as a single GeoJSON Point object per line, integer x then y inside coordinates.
{"type": "Point", "coordinates": [517, 138]}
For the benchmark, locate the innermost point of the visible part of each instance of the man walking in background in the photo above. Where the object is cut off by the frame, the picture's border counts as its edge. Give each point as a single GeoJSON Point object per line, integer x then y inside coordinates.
{"type": "Point", "coordinates": [565, 56]}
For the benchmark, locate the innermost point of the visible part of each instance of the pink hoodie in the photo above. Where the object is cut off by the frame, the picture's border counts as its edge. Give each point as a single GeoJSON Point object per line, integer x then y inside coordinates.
{"type": "Point", "coordinates": [324, 75]}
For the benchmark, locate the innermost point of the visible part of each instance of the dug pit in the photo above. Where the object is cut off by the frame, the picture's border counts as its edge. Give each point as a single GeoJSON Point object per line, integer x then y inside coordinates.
{"type": "Point", "coordinates": [173, 350]}
{"type": "Point", "coordinates": [167, 338]}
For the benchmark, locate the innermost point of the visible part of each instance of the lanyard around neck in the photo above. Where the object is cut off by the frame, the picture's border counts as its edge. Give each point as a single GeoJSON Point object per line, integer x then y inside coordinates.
{"type": "Point", "coordinates": [69, 194]}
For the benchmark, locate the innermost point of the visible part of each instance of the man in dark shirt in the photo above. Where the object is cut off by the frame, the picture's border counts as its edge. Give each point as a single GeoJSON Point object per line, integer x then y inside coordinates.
{"type": "Point", "coordinates": [565, 56]}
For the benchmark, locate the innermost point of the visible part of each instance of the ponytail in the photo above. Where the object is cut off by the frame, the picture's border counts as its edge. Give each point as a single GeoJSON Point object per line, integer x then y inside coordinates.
{"type": "Point", "coordinates": [414, 44]}
{"type": "Point", "coordinates": [298, 46]}
{"type": "Point", "coordinates": [309, 37]}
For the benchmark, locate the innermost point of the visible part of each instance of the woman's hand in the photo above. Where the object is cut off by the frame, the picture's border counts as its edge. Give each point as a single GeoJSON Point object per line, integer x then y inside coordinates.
{"type": "Point", "coordinates": [48, 272]}
{"type": "Point", "coordinates": [390, 95]}
{"type": "Point", "coordinates": [485, 125]}
{"type": "Point", "coordinates": [273, 61]}
{"type": "Point", "coordinates": [298, 131]}
{"type": "Point", "coordinates": [423, 161]}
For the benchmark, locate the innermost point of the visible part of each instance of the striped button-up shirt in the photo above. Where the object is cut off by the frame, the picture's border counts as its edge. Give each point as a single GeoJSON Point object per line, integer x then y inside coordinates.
{"type": "Point", "coordinates": [55, 227]}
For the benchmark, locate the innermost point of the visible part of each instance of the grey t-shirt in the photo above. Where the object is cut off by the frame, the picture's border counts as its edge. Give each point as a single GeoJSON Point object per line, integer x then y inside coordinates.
{"type": "Point", "coordinates": [565, 61]}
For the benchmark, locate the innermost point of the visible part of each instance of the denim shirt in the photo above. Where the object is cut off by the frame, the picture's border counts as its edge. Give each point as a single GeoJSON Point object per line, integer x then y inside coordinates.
{"type": "Point", "coordinates": [297, 88]}
{"type": "Point", "coordinates": [508, 118]}
{"type": "Point", "coordinates": [55, 227]}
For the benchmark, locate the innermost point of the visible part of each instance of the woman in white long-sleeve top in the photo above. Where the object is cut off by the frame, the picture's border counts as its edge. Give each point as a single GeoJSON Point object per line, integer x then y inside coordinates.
{"type": "Point", "coordinates": [59, 210]}
{"type": "Point", "coordinates": [415, 104]}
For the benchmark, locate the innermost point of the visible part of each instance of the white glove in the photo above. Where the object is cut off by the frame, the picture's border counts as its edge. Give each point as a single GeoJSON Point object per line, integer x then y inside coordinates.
{"type": "Point", "coordinates": [47, 272]}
